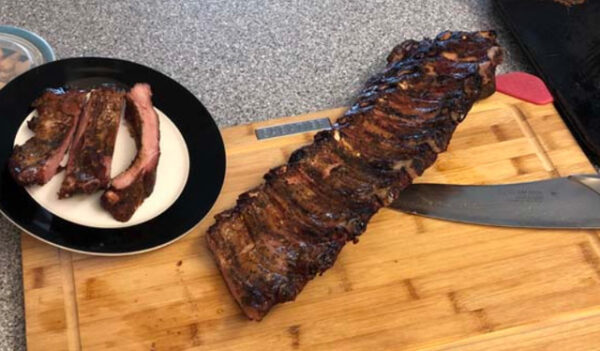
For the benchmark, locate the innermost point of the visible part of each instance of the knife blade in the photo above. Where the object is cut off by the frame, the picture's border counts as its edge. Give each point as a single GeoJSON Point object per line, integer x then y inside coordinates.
{"type": "Point", "coordinates": [571, 202]}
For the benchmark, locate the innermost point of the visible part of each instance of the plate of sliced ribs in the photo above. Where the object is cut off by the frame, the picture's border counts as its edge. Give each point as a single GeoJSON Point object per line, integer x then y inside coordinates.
{"type": "Point", "coordinates": [105, 156]}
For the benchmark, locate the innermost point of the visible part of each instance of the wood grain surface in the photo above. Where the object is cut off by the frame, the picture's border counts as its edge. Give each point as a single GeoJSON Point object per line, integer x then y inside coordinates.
{"type": "Point", "coordinates": [411, 283]}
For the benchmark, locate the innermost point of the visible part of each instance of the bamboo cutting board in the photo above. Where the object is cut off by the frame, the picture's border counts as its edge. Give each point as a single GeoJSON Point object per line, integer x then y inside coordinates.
{"type": "Point", "coordinates": [410, 284]}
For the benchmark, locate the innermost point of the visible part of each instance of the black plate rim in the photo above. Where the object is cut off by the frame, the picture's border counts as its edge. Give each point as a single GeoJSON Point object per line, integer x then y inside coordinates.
{"type": "Point", "coordinates": [217, 150]}
{"type": "Point", "coordinates": [96, 253]}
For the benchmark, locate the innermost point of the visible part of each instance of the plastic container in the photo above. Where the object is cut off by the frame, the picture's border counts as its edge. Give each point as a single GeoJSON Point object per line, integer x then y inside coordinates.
{"type": "Point", "coordinates": [20, 50]}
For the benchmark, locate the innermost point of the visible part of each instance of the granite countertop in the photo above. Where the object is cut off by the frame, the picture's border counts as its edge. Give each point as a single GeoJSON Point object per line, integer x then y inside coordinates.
{"type": "Point", "coordinates": [246, 60]}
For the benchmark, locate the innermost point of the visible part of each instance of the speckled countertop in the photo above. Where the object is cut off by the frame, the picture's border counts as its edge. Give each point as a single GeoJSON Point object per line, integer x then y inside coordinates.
{"type": "Point", "coordinates": [246, 60]}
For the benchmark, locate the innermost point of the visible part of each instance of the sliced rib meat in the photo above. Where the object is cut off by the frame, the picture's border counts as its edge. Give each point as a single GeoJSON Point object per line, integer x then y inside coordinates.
{"type": "Point", "coordinates": [90, 156]}
{"type": "Point", "coordinates": [38, 160]}
{"type": "Point", "coordinates": [129, 189]}
{"type": "Point", "coordinates": [292, 227]}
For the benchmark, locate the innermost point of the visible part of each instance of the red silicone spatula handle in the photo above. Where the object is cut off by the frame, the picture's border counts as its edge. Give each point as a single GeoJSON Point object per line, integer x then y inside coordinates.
{"type": "Point", "coordinates": [524, 86]}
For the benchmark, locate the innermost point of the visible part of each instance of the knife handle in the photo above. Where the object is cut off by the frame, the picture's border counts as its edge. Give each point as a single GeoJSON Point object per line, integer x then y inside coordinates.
{"type": "Point", "coordinates": [591, 181]}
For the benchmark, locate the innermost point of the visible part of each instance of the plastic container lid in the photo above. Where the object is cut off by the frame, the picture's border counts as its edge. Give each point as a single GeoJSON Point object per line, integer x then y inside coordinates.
{"type": "Point", "coordinates": [21, 50]}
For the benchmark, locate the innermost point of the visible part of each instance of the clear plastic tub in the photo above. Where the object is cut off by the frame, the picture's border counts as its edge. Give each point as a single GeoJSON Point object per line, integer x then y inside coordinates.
{"type": "Point", "coordinates": [20, 50]}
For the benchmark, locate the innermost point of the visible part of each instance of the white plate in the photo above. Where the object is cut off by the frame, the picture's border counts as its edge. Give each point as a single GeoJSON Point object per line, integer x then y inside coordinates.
{"type": "Point", "coordinates": [171, 177]}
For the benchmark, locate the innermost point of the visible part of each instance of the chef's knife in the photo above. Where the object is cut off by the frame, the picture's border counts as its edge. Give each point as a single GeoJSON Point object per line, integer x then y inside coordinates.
{"type": "Point", "coordinates": [570, 202]}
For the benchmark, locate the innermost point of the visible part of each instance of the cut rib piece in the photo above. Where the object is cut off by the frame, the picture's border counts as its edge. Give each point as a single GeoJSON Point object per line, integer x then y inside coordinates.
{"type": "Point", "coordinates": [37, 161]}
{"type": "Point", "coordinates": [292, 227]}
{"type": "Point", "coordinates": [90, 157]}
{"type": "Point", "coordinates": [129, 189]}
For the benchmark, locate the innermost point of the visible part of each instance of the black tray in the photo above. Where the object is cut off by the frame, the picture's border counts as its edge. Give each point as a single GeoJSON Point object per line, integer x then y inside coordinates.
{"type": "Point", "coordinates": [563, 44]}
